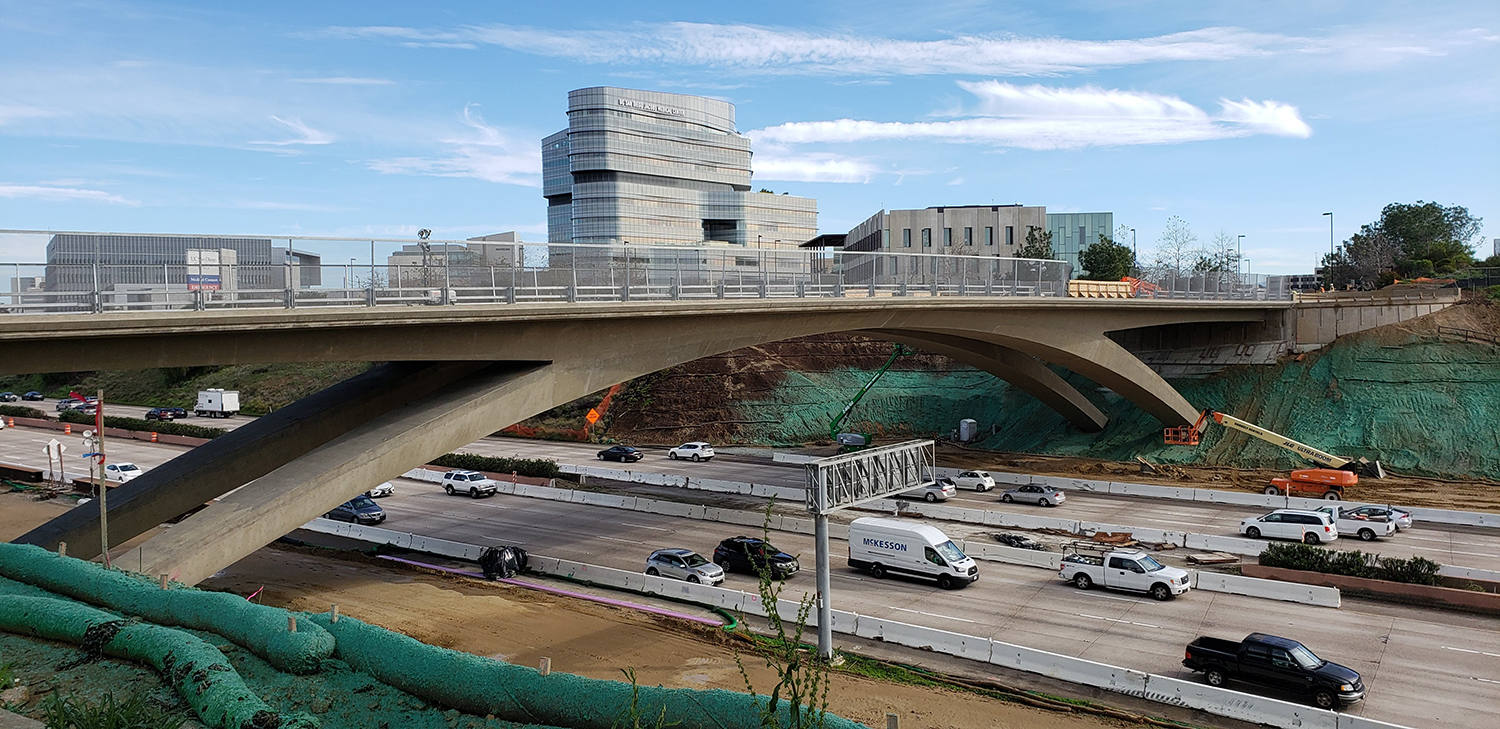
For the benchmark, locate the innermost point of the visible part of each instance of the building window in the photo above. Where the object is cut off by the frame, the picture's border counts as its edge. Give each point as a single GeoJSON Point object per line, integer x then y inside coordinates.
{"type": "Point", "coordinates": [885, 238]}
{"type": "Point", "coordinates": [927, 237]}
{"type": "Point", "coordinates": [989, 235]}
{"type": "Point", "coordinates": [1010, 235]}
{"type": "Point", "coordinates": [1083, 241]}
{"type": "Point", "coordinates": [906, 237]}
{"type": "Point", "coordinates": [947, 236]}
{"type": "Point", "coordinates": [968, 236]}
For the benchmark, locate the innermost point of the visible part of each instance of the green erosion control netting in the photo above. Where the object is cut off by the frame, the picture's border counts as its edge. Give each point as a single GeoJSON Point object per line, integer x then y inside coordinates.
{"type": "Point", "coordinates": [258, 628]}
{"type": "Point", "coordinates": [482, 686]}
{"type": "Point", "coordinates": [1419, 404]}
{"type": "Point", "coordinates": [201, 674]}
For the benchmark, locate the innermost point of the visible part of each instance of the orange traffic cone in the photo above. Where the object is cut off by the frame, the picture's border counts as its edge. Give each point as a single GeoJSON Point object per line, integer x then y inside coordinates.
{"type": "Point", "coordinates": [67, 428]}
{"type": "Point", "coordinates": [153, 436]}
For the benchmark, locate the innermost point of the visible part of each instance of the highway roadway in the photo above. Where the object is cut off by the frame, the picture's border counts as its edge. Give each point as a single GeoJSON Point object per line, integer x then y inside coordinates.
{"type": "Point", "coordinates": [1422, 667]}
{"type": "Point", "coordinates": [1477, 547]}
{"type": "Point", "coordinates": [49, 406]}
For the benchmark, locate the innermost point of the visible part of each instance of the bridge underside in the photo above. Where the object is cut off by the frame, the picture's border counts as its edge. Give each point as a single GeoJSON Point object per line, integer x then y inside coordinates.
{"type": "Point", "coordinates": [448, 383]}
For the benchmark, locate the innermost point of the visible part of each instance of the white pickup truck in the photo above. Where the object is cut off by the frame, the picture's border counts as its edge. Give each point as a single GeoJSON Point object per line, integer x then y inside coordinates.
{"type": "Point", "coordinates": [1365, 527]}
{"type": "Point", "coordinates": [1087, 564]}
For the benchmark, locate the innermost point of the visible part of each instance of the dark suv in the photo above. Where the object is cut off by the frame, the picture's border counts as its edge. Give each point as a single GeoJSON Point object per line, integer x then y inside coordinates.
{"type": "Point", "coordinates": [749, 554]}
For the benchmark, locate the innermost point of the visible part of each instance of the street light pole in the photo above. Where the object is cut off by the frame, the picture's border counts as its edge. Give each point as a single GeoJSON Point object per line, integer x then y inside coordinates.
{"type": "Point", "coordinates": [1330, 233]}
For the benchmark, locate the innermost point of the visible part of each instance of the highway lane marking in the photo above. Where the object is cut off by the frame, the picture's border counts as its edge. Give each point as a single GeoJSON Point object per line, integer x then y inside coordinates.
{"type": "Point", "coordinates": [1117, 620]}
{"type": "Point", "coordinates": [1447, 541]}
{"type": "Point", "coordinates": [504, 539]}
{"type": "Point", "coordinates": [1454, 551]}
{"type": "Point", "coordinates": [932, 615]}
{"type": "Point", "coordinates": [1466, 650]}
{"type": "Point", "coordinates": [626, 541]}
{"type": "Point", "coordinates": [643, 526]}
{"type": "Point", "coordinates": [1476, 678]}
{"type": "Point", "coordinates": [1111, 597]}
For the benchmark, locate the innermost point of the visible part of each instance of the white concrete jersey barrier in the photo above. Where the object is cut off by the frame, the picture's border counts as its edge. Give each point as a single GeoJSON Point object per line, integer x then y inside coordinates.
{"type": "Point", "coordinates": [1268, 589]}
{"type": "Point", "coordinates": [1012, 555]}
{"type": "Point", "coordinates": [1221, 702]}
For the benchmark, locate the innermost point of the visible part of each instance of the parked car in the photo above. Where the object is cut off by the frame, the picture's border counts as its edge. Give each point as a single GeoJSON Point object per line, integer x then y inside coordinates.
{"type": "Point", "coordinates": [1276, 662]}
{"type": "Point", "coordinates": [1089, 563]}
{"type": "Point", "coordinates": [1365, 526]}
{"type": "Point", "coordinates": [1311, 527]}
{"type": "Point", "coordinates": [695, 451]}
{"type": "Point", "coordinates": [121, 472]}
{"type": "Point", "coordinates": [67, 403]}
{"type": "Point", "coordinates": [472, 483]}
{"type": "Point", "coordinates": [1402, 517]}
{"type": "Point", "coordinates": [358, 510]}
{"type": "Point", "coordinates": [684, 564]}
{"type": "Point", "coordinates": [33, 396]}
{"type": "Point", "coordinates": [385, 489]}
{"type": "Point", "coordinates": [621, 453]}
{"type": "Point", "coordinates": [163, 414]}
{"type": "Point", "coordinates": [977, 480]}
{"type": "Point", "coordinates": [1034, 494]}
{"type": "Point", "coordinates": [932, 491]}
{"type": "Point", "coordinates": [751, 554]}
{"type": "Point", "coordinates": [899, 547]}
{"type": "Point", "coordinates": [9, 397]}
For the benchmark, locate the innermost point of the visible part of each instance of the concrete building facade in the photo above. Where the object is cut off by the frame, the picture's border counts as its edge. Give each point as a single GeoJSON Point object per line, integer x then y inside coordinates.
{"type": "Point", "coordinates": [970, 230]}
{"type": "Point", "coordinates": [1073, 232]}
{"type": "Point", "coordinates": [139, 260]}
{"type": "Point", "coordinates": [656, 168]}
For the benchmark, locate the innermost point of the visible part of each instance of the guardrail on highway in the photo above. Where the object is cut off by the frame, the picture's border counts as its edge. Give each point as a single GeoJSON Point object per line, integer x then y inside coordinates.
{"type": "Point", "coordinates": [1217, 701]}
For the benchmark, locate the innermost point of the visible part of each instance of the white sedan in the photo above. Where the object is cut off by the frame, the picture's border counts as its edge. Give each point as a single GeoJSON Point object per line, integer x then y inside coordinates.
{"type": "Point", "coordinates": [695, 451]}
{"type": "Point", "coordinates": [940, 490]}
{"type": "Point", "coordinates": [977, 480]}
{"type": "Point", "coordinates": [121, 472]}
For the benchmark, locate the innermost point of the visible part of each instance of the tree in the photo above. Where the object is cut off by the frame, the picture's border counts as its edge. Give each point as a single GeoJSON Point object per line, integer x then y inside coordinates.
{"type": "Point", "coordinates": [1038, 244]}
{"type": "Point", "coordinates": [1175, 248]}
{"type": "Point", "coordinates": [1410, 240]}
{"type": "Point", "coordinates": [1106, 260]}
{"type": "Point", "coordinates": [1219, 259]}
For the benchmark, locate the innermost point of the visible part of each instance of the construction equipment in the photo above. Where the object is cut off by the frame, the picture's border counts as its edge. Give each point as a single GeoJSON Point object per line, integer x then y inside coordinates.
{"type": "Point", "coordinates": [1137, 286]}
{"type": "Point", "coordinates": [1335, 473]}
{"type": "Point", "coordinates": [856, 441]}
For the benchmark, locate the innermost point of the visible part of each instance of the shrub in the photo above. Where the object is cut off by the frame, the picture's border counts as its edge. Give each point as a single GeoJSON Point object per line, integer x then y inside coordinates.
{"type": "Point", "coordinates": [1353, 563]}
{"type": "Point", "coordinates": [534, 467]}
{"type": "Point", "coordinates": [155, 426]}
{"type": "Point", "coordinates": [19, 411]}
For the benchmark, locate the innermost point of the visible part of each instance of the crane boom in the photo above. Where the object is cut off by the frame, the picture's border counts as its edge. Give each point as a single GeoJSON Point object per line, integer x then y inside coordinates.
{"type": "Point", "coordinates": [1326, 460]}
{"type": "Point", "coordinates": [833, 428]}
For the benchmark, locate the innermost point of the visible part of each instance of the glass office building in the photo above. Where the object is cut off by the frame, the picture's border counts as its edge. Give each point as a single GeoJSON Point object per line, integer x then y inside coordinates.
{"type": "Point", "coordinates": [654, 168]}
{"type": "Point", "coordinates": [1073, 232]}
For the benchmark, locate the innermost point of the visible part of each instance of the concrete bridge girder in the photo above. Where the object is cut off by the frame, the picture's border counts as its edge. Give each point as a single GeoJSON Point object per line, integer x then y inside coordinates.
{"type": "Point", "coordinates": [1017, 368]}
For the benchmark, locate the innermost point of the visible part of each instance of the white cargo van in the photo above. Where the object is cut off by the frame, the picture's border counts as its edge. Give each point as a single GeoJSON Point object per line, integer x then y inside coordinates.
{"type": "Point", "coordinates": [894, 546]}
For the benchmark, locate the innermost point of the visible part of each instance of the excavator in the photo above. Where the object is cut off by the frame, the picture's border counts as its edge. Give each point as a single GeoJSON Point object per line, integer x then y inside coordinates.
{"type": "Point", "coordinates": [1333, 475]}
{"type": "Point", "coordinates": [857, 441]}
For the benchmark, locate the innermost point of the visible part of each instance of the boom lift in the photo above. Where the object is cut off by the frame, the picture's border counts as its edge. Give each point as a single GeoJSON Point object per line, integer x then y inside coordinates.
{"type": "Point", "coordinates": [856, 441]}
{"type": "Point", "coordinates": [1328, 481]}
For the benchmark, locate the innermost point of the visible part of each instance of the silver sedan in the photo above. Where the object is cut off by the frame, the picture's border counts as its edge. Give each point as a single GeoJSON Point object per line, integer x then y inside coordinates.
{"type": "Point", "coordinates": [684, 564]}
{"type": "Point", "coordinates": [1034, 494]}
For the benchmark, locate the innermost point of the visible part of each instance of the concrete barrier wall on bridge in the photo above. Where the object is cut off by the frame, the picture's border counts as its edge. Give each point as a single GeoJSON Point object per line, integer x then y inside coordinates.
{"type": "Point", "coordinates": [1217, 701]}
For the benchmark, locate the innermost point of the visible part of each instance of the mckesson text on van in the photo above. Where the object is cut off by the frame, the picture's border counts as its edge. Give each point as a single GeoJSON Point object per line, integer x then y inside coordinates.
{"type": "Point", "coordinates": [896, 547]}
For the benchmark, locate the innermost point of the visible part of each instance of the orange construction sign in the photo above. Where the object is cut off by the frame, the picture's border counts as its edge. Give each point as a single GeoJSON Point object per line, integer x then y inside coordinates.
{"type": "Point", "coordinates": [592, 417]}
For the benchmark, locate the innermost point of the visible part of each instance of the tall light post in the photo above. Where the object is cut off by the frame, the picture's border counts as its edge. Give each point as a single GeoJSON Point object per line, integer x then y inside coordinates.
{"type": "Point", "coordinates": [1330, 233]}
{"type": "Point", "coordinates": [1239, 253]}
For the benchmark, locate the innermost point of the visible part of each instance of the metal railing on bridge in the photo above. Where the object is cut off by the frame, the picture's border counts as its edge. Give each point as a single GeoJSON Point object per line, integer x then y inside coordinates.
{"type": "Point", "coordinates": [103, 272]}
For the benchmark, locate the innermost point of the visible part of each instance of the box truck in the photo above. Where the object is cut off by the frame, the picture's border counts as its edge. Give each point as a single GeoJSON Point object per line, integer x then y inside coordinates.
{"type": "Point", "coordinates": [898, 547]}
{"type": "Point", "coordinates": [217, 403]}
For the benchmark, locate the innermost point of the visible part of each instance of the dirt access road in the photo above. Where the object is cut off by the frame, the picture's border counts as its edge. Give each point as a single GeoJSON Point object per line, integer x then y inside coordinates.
{"type": "Point", "coordinates": [584, 638]}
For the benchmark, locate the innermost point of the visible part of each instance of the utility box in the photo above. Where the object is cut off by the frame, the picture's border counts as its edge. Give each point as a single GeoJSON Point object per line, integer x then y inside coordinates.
{"type": "Point", "coordinates": [217, 403]}
{"type": "Point", "coordinates": [968, 430]}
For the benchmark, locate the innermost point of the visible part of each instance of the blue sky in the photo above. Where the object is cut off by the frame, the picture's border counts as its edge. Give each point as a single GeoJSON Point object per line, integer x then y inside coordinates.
{"type": "Point", "coordinates": [367, 118]}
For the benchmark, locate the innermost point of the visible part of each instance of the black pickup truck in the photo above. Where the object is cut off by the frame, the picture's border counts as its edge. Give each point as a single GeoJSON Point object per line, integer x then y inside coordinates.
{"type": "Point", "coordinates": [1276, 662]}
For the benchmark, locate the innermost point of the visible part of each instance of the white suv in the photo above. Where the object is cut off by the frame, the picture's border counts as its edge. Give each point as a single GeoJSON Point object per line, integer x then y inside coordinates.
{"type": "Point", "coordinates": [472, 483]}
{"type": "Point", "coordinates": [1311, 527]}
{"type": "Point", "coordinates": [695, 451]}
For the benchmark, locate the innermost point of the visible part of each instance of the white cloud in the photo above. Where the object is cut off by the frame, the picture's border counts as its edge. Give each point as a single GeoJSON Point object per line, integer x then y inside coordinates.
{"type": "Point", "coordinates": [345, 81]}
{"type": "Point", "coordinates": [308, 134]}
{"type": "Point", "coordinates": [816, 167]}
{"type": "Point", "coordinates": [63, 194]}
{"type": "Point", "coordinates": [484, 152]}
{"type": "Point", "coordinates": [781, 50]}
{"type": "Point", "coordinates": [1040, 117]}
{"type": "Point", "coordinates": [304, 207]}
{"type": "Point", "coordinates": [12, 112]}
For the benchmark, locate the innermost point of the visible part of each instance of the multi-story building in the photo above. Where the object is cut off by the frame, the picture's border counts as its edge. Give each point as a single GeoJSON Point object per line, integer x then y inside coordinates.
{"type": "Point", "coordinates": [1073, 232]}
{"type": "Point", "coordinates": [655, 168]}
{"type": "Point", "coordinates": [84, 261]}
{"type": "Point", "coordinates": [968, 230]}
{"type": "Point", "coordinates": [470, 264]}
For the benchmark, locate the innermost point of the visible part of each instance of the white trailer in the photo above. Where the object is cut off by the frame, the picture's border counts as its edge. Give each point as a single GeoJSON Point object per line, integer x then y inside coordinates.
{"type": "Point", "coordinates": [217, 403]}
